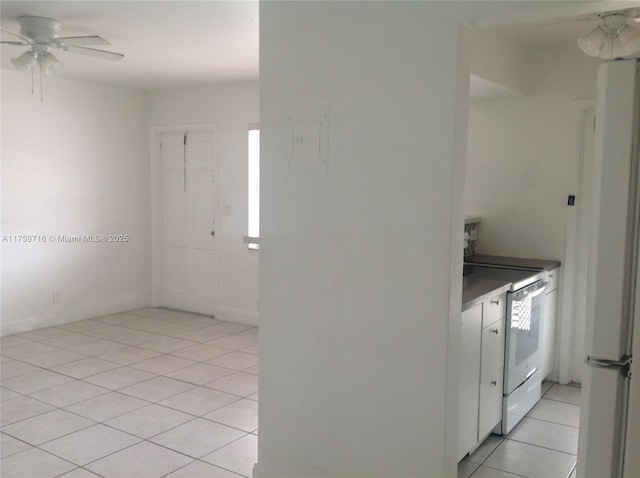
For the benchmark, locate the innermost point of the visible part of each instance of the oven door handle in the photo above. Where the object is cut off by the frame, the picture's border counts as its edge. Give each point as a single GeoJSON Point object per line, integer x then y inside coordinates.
{"type": "Point", "coordinates": [524, 295]}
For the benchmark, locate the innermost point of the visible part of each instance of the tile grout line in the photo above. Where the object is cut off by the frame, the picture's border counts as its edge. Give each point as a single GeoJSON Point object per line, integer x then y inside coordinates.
{"type": "Point", "coordinates": [498, 469]}
{"type": "Point", "coordinates": [507, 437]}
{"type": "Point", "coordinates": [551, 421]}
{"type": "Point", "coordinates": [130, 434]}
{"type": "Point", "coordinates": [118, 366]}
{"type": "Point", "coordinates": [543, 447]}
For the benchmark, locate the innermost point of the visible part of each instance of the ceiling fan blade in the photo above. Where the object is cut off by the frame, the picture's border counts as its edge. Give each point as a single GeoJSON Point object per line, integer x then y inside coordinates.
{"type": "Point", "coordinates": [29, 41]}
{"type": "Point", "coordinates": [106, 55]}
{"type": "Point", "coordinates": [14, 43]}
{"type": "Point", "coordinates": [83, 40]}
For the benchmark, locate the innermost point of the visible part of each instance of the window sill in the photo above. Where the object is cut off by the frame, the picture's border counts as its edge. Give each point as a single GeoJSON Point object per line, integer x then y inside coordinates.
{"type": "Point", "coordinates": [252, 242]}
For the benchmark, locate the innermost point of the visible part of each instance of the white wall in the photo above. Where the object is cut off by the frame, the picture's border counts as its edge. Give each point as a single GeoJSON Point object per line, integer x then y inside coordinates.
{"type": "Point", "coordinates": [233, 107]}
{"type": "Point", "coordinates": [499, 62]}
{"type": "Point", "coordinates": [355, 261]}
{"type": "Point", "coordinates": [522, 156]}
{"type": "Point", "coordinates": [73, 164]}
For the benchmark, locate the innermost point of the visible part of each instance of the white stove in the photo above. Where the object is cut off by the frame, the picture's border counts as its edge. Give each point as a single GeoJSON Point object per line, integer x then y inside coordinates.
{"type": "Point", "coordinates": [523, 341]}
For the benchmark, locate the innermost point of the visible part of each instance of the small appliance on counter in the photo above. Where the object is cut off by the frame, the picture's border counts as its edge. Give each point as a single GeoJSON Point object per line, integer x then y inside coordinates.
{"type": "Point", "coordinates": [525, 311]}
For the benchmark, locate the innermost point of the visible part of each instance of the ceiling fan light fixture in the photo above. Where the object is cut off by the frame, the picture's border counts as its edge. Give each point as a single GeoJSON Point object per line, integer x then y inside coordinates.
{"type": "Point", "coordinates": [613, 38]}
{"type": "Point", "coordinates": [592, 43]}
{"type": "Point", "coordinates": [630, 39]}
{"type": "Point", "coordinates": [50, 65]}
{"type": "Point", "coordinates": [24, 62]}
{"type": "Point", "coordinates": [41, 34]}
{"type": "Point", "coordinates": [612, 48]}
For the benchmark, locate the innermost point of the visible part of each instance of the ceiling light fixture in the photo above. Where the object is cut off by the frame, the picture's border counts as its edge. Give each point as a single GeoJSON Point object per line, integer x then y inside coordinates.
{"type": "Point", "coordinates": [50, 65]}
{"type": "Point", "coordinates": [41, 34]}
{"type": "Point", "coordinates": [613, 38]}
{"type": "Point", "coordinates": [24, 62]}
{"type": "Point", "coordinates": [39, 55]}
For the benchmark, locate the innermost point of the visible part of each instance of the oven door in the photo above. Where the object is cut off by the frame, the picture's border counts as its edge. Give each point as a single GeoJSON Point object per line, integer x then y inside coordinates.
{"type": "Point", "coordinates": [522, 353]}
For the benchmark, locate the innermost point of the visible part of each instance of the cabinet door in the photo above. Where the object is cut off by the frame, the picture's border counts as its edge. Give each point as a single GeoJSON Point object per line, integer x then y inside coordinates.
{"type": "Point", "coordinates": [470, 332]}
{"type": "Point", "coordinates": [491, 367]}
{"type": "Point", "coordinates": [549, 333]}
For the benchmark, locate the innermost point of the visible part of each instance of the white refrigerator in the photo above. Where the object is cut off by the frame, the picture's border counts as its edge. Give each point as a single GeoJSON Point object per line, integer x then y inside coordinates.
{"type": "Point", "coordinates": [609, 437]}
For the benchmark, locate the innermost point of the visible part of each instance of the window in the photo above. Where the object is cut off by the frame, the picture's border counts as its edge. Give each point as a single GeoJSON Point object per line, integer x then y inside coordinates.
{"type": "Point", "coordinates": [254, 187]}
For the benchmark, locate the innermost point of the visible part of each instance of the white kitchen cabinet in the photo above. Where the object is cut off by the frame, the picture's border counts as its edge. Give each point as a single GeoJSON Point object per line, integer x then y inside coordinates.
{"type": "Point", "coordinates": [491, 373]}
{"type": "Point", "coordinates": [481, 372]}
{"type": "Point", "coordinates": [470, 341]}
{"type": "Point", "coordinates": [549, 326]}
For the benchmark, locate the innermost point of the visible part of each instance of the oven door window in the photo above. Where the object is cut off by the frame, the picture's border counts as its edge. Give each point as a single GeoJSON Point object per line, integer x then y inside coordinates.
{"type": "Point", "coordinates": [523, 341]}
{"type": "Point", "coordinates": [525, 323]}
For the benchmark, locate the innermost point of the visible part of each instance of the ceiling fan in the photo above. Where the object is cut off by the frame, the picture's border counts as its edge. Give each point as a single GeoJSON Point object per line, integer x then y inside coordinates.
{"type": "Point", "coordinates": [41, 35]}
{"type": "Point", "coordinates": [616, 35]}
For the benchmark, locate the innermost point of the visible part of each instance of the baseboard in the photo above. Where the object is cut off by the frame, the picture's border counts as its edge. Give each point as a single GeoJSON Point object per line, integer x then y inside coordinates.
{"type": "Point", "coordinates": [240, 316]}
{"type": "Point", "coordinates": [72, 315]}
{"type": "Point", "coordinates": [261, 470]}
{"type": "Point", "coordinates": [553, 376]}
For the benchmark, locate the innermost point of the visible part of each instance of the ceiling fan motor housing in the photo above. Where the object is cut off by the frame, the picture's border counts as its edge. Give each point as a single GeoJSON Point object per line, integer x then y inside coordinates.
{"type": "Point", "coordinates": [40, 29]}
{"type": "Point", "coordinates": [613, 23]}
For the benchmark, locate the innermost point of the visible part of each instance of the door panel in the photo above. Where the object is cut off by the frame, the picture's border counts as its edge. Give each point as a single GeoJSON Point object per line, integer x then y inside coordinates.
{"type": "Point", "coordinates": [612, 271]}
{"type": "Point", "coordinates": [204, 209]}
{"type": "Point", "coordinates": [203, 275]}
{"type": "Point", "coordinates": [632, 442]}
{"type": "Point", "coordinates": [604, 394]}
{"type": "Point", "coordinates": [609, 265]}
{"type": "Point", "coordinates": [176, 268]}
{"type": "Point", "coordinates": [189, 218]}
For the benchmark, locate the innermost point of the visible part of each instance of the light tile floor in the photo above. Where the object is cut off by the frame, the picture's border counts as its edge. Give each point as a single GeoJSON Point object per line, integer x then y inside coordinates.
{"type": "Point", "coordinates": [160, 393]}
{"type": "Point", "coordinates": [543, 445]}
{"type": "Point", "coordinates": [143, 394]}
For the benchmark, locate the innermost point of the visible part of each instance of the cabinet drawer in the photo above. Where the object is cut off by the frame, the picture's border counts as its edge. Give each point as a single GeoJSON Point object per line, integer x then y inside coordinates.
{"type": "Point", "coordinates": [552, 281]}
{"type": "Point", "coordinates": [493, 309]}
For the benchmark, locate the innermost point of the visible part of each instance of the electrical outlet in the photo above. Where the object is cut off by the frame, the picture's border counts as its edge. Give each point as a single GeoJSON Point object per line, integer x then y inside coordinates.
{"type": "Point", "coordinates": [57, 299]}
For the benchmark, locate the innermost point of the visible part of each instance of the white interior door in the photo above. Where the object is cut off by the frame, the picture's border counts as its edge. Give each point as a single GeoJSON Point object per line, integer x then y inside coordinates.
{"type": "Point", "coordinates": [189, 206]}
{"type": "Point", "coordinates": [612, 273]}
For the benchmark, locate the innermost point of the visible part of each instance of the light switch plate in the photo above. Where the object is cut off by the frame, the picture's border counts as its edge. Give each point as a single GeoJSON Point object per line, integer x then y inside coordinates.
{"type": "Point", "coordinates": [309, 152]}
{"type": "Point", "coordinates": [306, 141]}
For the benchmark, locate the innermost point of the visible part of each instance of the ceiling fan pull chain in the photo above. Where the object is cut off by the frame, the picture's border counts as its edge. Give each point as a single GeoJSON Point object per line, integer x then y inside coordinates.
{"type": "Point", "coordinates": [40, 64]}
{"type": "Point", "coordinates": [184, 160]}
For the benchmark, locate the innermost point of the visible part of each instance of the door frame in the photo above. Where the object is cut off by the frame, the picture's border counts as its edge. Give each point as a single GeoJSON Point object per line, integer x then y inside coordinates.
{"type": "Point", "coordinates": [574, 257]}
{"type": "Point", "coordinates": [155, 159]}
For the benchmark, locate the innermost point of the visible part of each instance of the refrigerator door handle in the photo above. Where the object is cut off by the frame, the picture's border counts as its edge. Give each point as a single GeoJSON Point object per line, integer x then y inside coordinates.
{"type": "Point", "coordinates": [624, 364]}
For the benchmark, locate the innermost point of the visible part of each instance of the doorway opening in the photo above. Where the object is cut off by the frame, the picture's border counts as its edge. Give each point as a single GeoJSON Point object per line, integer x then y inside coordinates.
{"type": "Point", "coordinates": [528, 166]}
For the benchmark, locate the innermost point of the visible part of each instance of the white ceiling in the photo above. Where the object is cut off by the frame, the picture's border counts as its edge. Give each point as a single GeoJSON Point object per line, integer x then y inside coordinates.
{"type": "Point", "coordinates": [166, 43]}
{"type": "Point", "coordinates": [544, 35]}
{"type": "Point", "coordinates": [195, 43]}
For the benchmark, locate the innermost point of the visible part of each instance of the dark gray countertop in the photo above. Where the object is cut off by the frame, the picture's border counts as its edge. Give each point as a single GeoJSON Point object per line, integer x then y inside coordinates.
{"type": "Point", "coordinates": [475, 290]}
{"type": "Point", "coordinates": [540, 264]}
